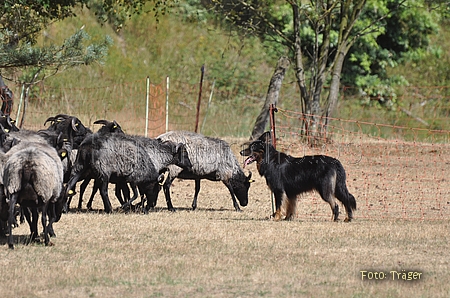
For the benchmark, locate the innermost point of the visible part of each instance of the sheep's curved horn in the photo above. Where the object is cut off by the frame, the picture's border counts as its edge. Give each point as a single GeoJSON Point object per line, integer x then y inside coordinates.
{"type": "Point", "coordinates": [74, 124]}
{"type": "Point", "coordinates": [101, 121]}
{"type": "Point", "coordinates": [161, 178]}
{"type": "Point", "coordinates": [62, 116]}
{"type": "Point", "coordinates": [59, 138]}
{"type": "Point", "coordinates": [8, 120]}
{"type": "Point", "coordinates": [50, 119]}
{"type": "Point", "coordinates": [178, 146]}
{"type": "Point", "coordinates": [169, 143]}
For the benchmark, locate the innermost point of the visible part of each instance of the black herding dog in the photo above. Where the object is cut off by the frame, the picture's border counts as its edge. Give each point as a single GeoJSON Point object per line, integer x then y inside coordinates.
{"type": "Point", "coordinates": [292, 176]}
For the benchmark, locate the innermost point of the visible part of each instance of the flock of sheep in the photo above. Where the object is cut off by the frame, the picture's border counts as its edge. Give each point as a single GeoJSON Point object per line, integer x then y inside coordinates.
{"type": "Point", "coordinates": [39, 170]}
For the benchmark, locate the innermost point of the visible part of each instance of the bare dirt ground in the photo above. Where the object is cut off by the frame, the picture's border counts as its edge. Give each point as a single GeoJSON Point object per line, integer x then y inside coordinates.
{"type": "Point", "coordinates": [397, 246]}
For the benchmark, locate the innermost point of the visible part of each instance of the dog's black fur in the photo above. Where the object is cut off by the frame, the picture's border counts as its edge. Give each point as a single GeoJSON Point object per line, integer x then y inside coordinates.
{"type": "Point", "coordinates": [292, 176]}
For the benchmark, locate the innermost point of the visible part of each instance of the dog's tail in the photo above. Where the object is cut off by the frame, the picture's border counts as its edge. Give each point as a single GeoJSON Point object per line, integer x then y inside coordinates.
{"type": "Point", "coordinates": [351, 201]}
{"type": "Point", "coordinates": [341, 191]}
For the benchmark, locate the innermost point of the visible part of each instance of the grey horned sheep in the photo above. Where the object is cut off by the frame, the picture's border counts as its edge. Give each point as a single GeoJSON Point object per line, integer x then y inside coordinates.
{"type": "Point", "coordinates": [211, 159]}
{"type": "Point", "coordinates": [125, 158]}
{"type": "Point", "coordinates": [32, 176]}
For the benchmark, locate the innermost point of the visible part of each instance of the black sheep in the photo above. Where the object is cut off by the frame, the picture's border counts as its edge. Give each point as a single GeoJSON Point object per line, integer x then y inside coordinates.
{"type": "Point", "coordinates": [125, 158]}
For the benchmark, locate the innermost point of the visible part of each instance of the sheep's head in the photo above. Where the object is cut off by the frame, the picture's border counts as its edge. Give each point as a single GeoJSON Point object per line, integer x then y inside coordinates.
{"type": "Point", "coordinates": [241, 184]}
{"type": "Point", "coordinates": [109, 126]}
{"type": "Point", "coordinates": [70, 126]}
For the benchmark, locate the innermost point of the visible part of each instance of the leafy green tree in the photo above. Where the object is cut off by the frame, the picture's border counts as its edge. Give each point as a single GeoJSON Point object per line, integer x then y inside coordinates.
{"type": "Point", "coordinates": [116, 13]}
{"type": "Point", "coordinates": [21, 22]}
{"type": "Point", "coordinates": [52, 58]}
{"type": "Point", "coordinates": [403, 34]}
{"type": "Point", "coordinates": [332, 39]}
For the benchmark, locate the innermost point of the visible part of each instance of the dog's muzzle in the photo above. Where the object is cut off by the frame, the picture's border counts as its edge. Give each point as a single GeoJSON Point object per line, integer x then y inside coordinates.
{"type": "Point", "coordinates": [249, 160]}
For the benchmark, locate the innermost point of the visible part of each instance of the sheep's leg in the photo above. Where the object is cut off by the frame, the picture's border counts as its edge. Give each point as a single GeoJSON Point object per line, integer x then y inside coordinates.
{"type": "Point", "coordinates": [44, 225]}
{"type": "Point", "coordinates": [32, 220]}
{"type": "Point", "coordinates": [83, 187]}
{"type": "Point", "coordinates": [22, 220]}
{"type": "Point", "coordinates": [197, 190]}
{"type": "Point", "coordinates": [166, 189]}
{"type": "Point", "coordinates": [69, 200]}
{"type": "Point", "coordinates": [233, 196]}
{"type": "Point", "coordinates": [135, 192]}
{"type": "Point", "coordinates": [105, 198]}
{"type": "Point", "coordinates": [125, 190]}
{"type": "Point", "coordinates": [11, 219]}
{"type": "Point", "coordinates": [122, 188]}
{"type": "Point", "coordinates": [3, 227]}
{"type": "Point", "coordinates": [118, 194]}
{"type": "Point", "coordinates": [34, 224]}
{"type": "Point", "coordinates": [142, 195]}
{"type": "Point", "coordinates": [141, 204]}
{"type": "Point", "coordinates": [25, 212]}
{"type": "Point", "coordinates": [52, 217]}
{"type": "Point", "coordinates": [135, 195]}
{"type": "Point", "coordinates": [95, 188]}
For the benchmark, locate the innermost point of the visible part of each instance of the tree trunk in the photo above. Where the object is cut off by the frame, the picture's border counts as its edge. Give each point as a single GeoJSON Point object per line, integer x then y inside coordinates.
{"type": "Point", "coordinates": [310, 99]}
{"type": "Point", "coordinates": [313, 121]}
{"type": "Point", "coordinates": [271, 98]}
{"type": "Point", "coordinates": [25, 105]}
{"type": "Point", "coordinates": [27, 95]}
{"type": "Point", "coordinates": [299, 67]}
{"type": "Point", "coordinates": [335, 83]}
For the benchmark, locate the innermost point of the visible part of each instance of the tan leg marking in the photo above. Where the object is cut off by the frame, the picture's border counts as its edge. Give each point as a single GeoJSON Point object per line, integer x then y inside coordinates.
{"type": "Point", "coordinates": [291, 208]}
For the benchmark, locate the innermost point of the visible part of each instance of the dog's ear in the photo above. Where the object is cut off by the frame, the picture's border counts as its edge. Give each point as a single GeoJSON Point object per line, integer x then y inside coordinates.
{"type": "Point", "coordinates": [266, 137]}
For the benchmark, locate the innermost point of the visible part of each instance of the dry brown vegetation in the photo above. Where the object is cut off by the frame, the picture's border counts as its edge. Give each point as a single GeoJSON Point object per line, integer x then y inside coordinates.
{"type": "Point", "coordinates": [217, 252]}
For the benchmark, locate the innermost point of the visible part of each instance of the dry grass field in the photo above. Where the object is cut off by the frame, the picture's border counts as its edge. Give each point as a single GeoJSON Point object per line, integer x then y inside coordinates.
{"type": "Point", "coordinates": [401, 226]}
